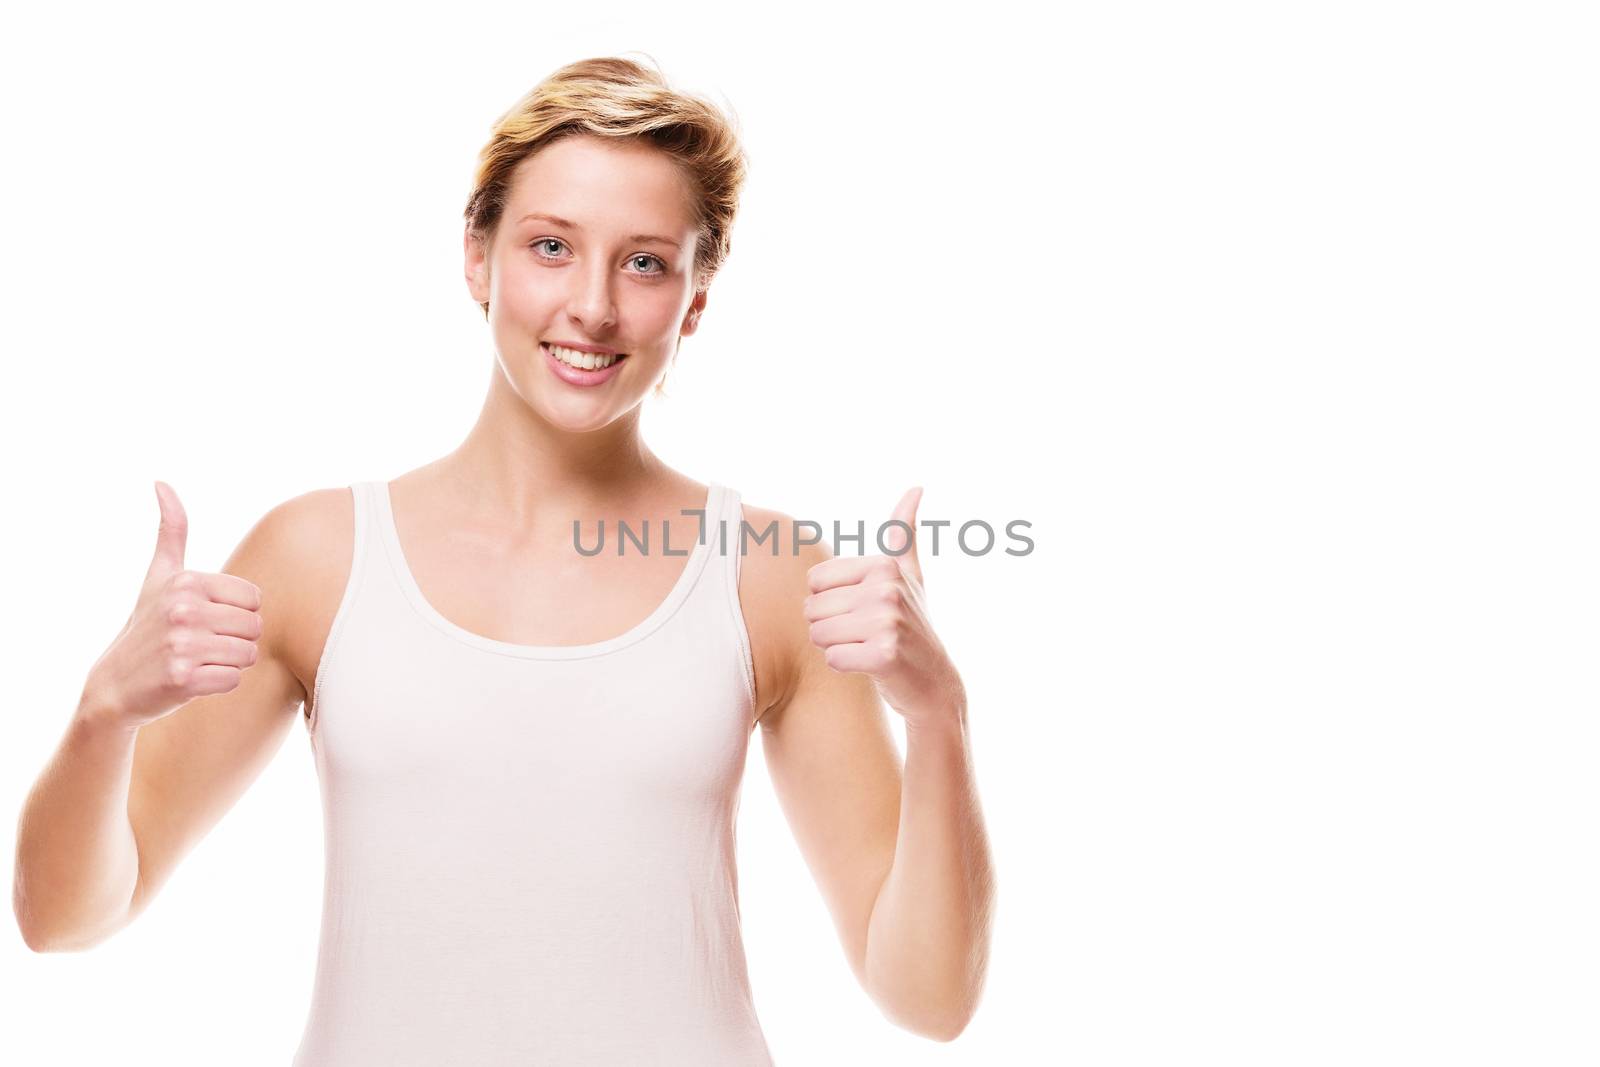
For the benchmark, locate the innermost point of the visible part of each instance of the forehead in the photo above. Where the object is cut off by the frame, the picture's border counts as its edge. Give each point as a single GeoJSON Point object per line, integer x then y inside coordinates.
{"type": "Point", "coordinates": [604, 185]}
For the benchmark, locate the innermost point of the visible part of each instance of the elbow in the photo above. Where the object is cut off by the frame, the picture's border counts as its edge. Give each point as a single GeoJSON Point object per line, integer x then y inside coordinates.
{"type": "Point", "coordinates": [33, 935]}
{"type": "Point", "coordinates": [932, 1002]}
{"type": "Point", "coordinates": [937, 1007]}
{"type": "Point", "coordinates": [42, 941]}
{"type": "Point", "coordinates": [42, 935]}
{"type": "Point", "coordinates": [936, 1025]}
{"type": "Point", "coordinates": [938, 1014]}
{"type": "Point", "coordinates": [34, 940]}
{"type": "Point", "coordinates": [948, 1034]}
{"type": "Point", "coordinates": [947, 1028]}
{"type": "Point", "coordinates": [933, 994]}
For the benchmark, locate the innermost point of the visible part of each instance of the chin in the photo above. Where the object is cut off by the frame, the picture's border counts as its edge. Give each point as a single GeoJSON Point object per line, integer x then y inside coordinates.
{"type": "Point", "coordinates": [579, 414]}
{"type": "Point", "coordinates": [570, 423]}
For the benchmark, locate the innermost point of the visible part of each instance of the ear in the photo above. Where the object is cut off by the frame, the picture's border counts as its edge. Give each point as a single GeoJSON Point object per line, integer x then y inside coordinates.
{"type": "Point", "coordinates": [691, 318]}
{"type": "Point", "coordinates": [477, 266]}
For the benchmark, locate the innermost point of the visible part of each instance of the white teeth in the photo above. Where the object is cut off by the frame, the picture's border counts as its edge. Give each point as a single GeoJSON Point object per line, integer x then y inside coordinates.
{"type": "Point", "coordinates": [583, 360]}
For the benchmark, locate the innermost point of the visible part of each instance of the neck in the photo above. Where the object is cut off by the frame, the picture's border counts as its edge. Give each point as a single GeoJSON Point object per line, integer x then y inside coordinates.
{"type": "Point", "coordinates": [515, 464]}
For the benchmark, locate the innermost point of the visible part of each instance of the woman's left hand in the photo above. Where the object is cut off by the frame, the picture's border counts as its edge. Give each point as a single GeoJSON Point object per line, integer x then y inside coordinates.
{"type": "Point", "coordinates": [869, 614]}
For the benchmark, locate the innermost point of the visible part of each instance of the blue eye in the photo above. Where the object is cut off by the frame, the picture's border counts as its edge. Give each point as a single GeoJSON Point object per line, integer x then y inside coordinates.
{"type": "Point", "coordinates": [661, 266]}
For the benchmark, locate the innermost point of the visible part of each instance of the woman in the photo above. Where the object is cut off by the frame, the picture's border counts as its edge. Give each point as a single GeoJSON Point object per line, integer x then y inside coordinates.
{"type": "Point", "coordinates": [530, 752]}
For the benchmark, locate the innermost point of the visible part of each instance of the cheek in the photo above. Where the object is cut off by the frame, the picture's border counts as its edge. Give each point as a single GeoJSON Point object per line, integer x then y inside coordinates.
{"type": "Point", "coordinates": [520, 287]}
{"type": "Point", "coordinates": [663, 310]}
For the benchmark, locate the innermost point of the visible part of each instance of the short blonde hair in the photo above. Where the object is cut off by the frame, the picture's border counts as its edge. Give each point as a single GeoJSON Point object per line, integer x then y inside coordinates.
{"type": "Point", "coordinates": [621, 99]}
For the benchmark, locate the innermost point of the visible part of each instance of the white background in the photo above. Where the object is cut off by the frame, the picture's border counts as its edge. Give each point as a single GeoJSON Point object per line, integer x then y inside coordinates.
{"type": "Point", "coordinates": [1277, 321]}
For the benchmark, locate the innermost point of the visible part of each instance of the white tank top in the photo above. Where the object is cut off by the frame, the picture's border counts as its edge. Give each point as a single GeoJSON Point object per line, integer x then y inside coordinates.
{"type": "Point", "coordinates": [530, 849]}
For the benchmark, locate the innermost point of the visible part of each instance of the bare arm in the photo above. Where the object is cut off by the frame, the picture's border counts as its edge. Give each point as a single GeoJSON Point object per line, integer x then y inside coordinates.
{"type": "Point", "coordinates": [119, 804]}
{"type": "Point", "coordinates": [899, 852]}
{"type": "Point", "coordinates": [928, 937]}
{"type": "Point", "coordinates": [77, 861]}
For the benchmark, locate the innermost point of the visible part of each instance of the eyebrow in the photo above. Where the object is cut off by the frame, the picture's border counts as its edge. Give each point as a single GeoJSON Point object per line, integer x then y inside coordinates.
{"type": "Point", "coordinates": [559, 221]}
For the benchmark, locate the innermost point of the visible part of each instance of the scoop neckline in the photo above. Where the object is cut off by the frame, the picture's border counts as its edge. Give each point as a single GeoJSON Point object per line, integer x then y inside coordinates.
{"type": "Point", "coordinates": [674, 599]}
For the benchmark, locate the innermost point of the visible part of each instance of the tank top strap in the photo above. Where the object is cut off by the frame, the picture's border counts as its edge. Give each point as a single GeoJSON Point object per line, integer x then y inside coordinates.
{"type": "Point", "coordinates": [732, 513]}
{"type": "Point", "coordinates": [363, 547]}
{"type": "Point", "coordinates": [728, 545]}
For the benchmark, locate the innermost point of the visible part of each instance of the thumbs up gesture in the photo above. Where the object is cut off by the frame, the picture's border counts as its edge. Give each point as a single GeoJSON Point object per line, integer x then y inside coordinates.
{"type": "Point", "coordinates": [190, 633]}
{"type": "Point", "coordinates": [868, 614]}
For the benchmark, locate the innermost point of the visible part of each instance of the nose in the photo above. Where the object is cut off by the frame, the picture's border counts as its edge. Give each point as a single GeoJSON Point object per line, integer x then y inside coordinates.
{"type": "Point", "coordinates": [589, 301]}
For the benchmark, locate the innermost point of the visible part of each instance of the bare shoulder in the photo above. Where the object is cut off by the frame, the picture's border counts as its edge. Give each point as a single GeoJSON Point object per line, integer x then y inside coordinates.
{"type": "Point", "coordinates": [299, 553]}
{"type": "Point", "coordinates": [772, 590]}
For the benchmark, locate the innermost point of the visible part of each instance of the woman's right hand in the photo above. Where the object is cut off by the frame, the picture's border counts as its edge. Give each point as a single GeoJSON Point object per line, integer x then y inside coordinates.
{"type": "Point", "coordinates": [190, 634]}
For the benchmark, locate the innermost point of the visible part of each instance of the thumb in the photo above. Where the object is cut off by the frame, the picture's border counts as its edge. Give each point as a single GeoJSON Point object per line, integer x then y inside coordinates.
{"type": "Point", "coordinates": [899, 542]}
{"type": "Point", "coordinates": [172, 535]}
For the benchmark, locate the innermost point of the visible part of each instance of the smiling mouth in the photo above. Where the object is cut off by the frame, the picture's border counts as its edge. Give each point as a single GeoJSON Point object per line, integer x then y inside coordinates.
{"type": "Point", "coordinates": [582, 360]}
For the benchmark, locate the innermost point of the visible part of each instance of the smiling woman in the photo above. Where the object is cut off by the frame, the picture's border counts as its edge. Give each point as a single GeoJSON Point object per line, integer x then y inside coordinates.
{"type": "Point", "coordinates": [531, 757]}
{"type": "Point", "coordinates": [547, 187]}
{"type": "Point", "coordinates": [520, 271]}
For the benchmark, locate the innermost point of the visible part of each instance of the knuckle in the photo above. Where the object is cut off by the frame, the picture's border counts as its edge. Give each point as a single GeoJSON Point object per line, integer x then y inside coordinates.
{"type": "Point", "coordinates": [179, 671]}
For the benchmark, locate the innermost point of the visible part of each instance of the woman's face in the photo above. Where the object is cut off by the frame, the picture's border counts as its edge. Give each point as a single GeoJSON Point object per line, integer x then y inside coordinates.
{"type": "Point", "coordinates": [596, 248]}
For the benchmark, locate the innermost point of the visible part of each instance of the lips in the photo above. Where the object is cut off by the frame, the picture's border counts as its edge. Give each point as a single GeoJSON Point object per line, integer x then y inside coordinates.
{"type": "Point", "coordinates": [599, 350]}
{"type": "Point", "coordinates": [580, 376]}
{"type": "Point", "coordinates": [582, 359]}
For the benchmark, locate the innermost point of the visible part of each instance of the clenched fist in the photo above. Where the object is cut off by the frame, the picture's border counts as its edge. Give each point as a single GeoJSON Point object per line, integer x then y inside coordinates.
{"type": "Point", "coordinates": [868, 614]}
{"type": "Point", "coordinates": [190, 633]}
